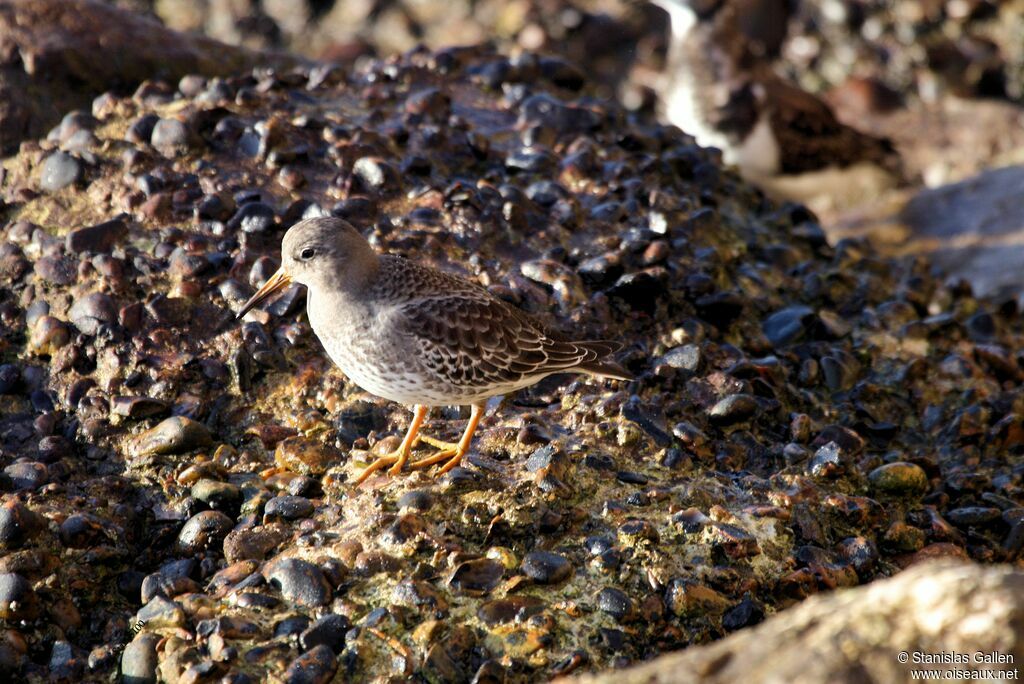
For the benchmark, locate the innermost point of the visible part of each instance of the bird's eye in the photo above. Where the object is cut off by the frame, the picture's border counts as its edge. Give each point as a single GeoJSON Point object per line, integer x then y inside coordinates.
{"type": "Point", "coordinates": [307, 253]}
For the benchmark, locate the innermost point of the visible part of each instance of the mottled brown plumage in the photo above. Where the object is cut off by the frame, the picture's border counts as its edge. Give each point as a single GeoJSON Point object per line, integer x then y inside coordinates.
{"type": "Point", "coordinates": [419, 336]}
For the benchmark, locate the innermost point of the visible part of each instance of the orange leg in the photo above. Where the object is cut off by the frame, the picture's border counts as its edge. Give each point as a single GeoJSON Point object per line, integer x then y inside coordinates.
{"type": "Point", "coordinates": [454, 455]}
{"type": "Point", "coordinates": [400, 456]}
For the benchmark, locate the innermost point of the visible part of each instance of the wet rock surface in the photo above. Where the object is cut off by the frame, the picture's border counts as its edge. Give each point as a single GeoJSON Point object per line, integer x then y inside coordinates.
{"type": "Point", "coordinates": [206, 464]}
{"type": "Point", "coordinates": [923, 610]}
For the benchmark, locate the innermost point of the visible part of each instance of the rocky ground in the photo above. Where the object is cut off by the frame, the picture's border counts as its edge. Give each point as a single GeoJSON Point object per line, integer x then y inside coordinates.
{"type": "Point", "coordinates": [176, 496]}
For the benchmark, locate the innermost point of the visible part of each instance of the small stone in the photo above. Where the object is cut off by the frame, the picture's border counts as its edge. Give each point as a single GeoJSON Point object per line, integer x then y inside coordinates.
{"type": "Point", "coordinates": [59, 171]}
{"type": "Point", "coordinates": [57, 270]}
{"type": "Point", "coordinates": [139, 660]}
{"type": "Point", "coordinates": [328, 631]}
{"type": "Point", "coordinates": [546, 567]}
{"type": "Point", "coordinates": [733, 409]}
{"type": "Point", "coordinates": [288, 508]}
{"type": "Point", "coordinates": [18, 601]}
{"type": "Point", "coordinates": [253, 217]}
{"type": "Point", "coordinates": [299, 582]}
{"type": "Point", "coordinates": [899, 479]}
{"type": "Point", "coordinates": [79, 530]}
{"type": "Point", "coordinates": [18, 524]}
{"type": "Point", "coordinates": [220, 496]}
{"type": "Point", "coordinates": [99, 239]}
{"type": "Point", "coordinates": [140, 131]}
{"type": "Point", "coordinates": [476, 577]}
{"type": "Point", "coordinates": [316, 666]}
{"type": "Point", "coordinates": [170, 136]}
{"type": "Point", "coordinates": [203, 531]}
{"type": "Point", "coordinates": [92, 312]}
{"type": "Point", "coordinates": [304, 456]}
{"type": "Point", "coordinates": [973, 516]}
{"type": "Point", "coordinates": [417, 499]}
{"type": "Point", "coordinates": [689, 598]}
{"type": "Point", "coordinates": [615, 602]}
{"type": "Point", "coordinates": [787, 325]}
{"type": "Point", "coordinates": [138, 408]}
{"type": "Point", "coordinates": [686, 358]}
{"type": "Point", "coordinates": [172, 436]}
{"type": "Point", "coordinates": [27, 475]}
{"type": "Point", "coordinates": [159, 613]}
{"type": "Point", "coordinates": [743, 614]}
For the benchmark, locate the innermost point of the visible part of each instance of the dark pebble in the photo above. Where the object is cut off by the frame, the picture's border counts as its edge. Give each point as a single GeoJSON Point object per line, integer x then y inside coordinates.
{"type": "Point", "coordinates": [221, 496]}
{"type": "Point", "coordinates": [316, 666]}
{"type": "Point", "coordinates": [972, 516]}
{"type": "Point", "coordinates": [733, 409]}
{"type": "Point", "coordinates": [546, 567]}
{"type": "Point", "coordinates": [288, 508]}
{"type": "Point", "coordinates": [140, 131]}
{"type": "Point", "coordinates": [18, 525]}
{"type": "Point", "coordinates": [327, 631]}
{"type": "Point", "coordinates": [744, 614]}
{"type": "Point", "coordinates": [477, 577]}
{"type": "Point", "coordinates": [253, 217]}
{"type": "Point", "coordinates": [787, 325]}
{"type": "Point", "coordinates": [417, 499]}
{"type": "Point", "coordinates": [27, 475]}
{"type": "Point", "coordinates": [17, 599]}
{"type": "Point", "coordinates": [203, 531]}
{"type": "Point", "coordinates": [615, 602]}
{"type": "Point", "coordinates": [92, 312]}
{"type": "Point", "coordinates": [292, 626]}
{"type": "Point", "coordinates": [299, 581]}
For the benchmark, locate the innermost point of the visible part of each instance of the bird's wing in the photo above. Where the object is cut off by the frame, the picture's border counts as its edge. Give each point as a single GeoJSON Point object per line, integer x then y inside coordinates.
{"type": "Point", "coordinates": [471, 338]}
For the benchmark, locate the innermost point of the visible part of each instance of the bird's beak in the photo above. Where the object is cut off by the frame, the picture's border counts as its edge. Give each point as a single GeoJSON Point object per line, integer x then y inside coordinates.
{"type": "Point", "coordinates": [278, 281]}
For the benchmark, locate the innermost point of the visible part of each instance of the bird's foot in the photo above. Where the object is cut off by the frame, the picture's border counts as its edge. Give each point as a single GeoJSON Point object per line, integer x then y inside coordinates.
{"type": "Point", "coordinates": [396, 459]}
{"type": "Point", "coordinates": [451, 454]}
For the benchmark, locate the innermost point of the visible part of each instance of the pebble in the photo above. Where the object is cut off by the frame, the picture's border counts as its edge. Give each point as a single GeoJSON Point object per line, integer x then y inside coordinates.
{"type": "Point", "coordinates": [98, 239]}
{"type": "Point", "coordinates": [91, 312]}
{"type": "Point", "coordinates": [476, 577]}
{"type": "Point", "coordinates": [732, 409]}
{"type": "Point", "coordinates": [221, 496]}
{"type": "Point", "coordinates": [546, 567]}
{"type": "Point", "coordinates": [899, 479]}
{"type": "Point", "coordinates": [616, 603]}
{"type": "Point", "coordinates": [329, 631]}
{"type": "Point", "coordinates": [788, 325]}
{"type": "Point", "coordinates": [59, 171]}
{"type": "Point", "coordinates": [139, 660]}
{"type": "Point", "coordinates": [203, 531]}
{"type": "Point", "coordinates": [18, 601]}
{"type": "Point", "coordinates": [170, 136]}
{"type": "Point", "coordinates": [27, 475]}
{"type": "Point", "coordinates": [288, 508]}
{"type": "Point", "coordinates": [316, 666]}
{"type": "Point", "coordinates": [307, 457]}
{"type": "Point", "coordinates": [300, 582]}
{"type": "Point", "coordinates": [174, 435]}
{"type": "Point", "coordinates": [18, 524]}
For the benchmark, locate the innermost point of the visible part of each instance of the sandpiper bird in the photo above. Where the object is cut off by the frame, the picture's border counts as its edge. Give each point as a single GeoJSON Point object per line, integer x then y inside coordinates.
{"type": "Point", "coordinates": [419, 336]}
{"type": "Point", "coordinates": [719, 87]}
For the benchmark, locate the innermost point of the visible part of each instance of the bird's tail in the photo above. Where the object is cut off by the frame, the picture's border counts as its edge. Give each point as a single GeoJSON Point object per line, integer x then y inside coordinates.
{"type": "Point", "coordinates": [603, 367]}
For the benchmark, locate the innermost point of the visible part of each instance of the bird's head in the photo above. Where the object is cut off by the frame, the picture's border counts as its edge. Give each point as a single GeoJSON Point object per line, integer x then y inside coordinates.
{"type": "Point", "coordinates": [323, 253]}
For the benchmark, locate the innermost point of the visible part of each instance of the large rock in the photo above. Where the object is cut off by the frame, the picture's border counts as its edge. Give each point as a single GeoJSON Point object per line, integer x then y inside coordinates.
{"type": "Point", "coordinates": [858, 635]}
{"type": "Point", "coordinates": [57, 55]}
